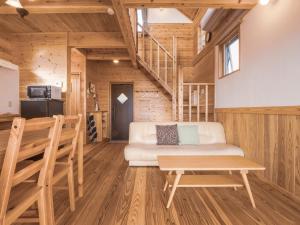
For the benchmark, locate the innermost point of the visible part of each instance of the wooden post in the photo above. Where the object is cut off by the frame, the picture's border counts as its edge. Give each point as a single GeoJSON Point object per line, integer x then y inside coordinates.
{"type": "Point", "coordinates": [80, 164]}
{"type": "Point", "coordinates": [174, 80]}
{"type": "Point", "coordinates": [198, 103]}
{"type": "Point", "coordinates": [151, 60]}
{"type": "Point", "coordinates": [190, 103]}
{"type": "Point", "coordinates": [166, 68]}
{"type": "Point", "coordinates": [206, 103]}
{"type": "Point", "coordinates": [143, 43]}
{"type": "Point", "coordinates": [158, 60]}
{"type": "Point", "coordinates": [180, 94]}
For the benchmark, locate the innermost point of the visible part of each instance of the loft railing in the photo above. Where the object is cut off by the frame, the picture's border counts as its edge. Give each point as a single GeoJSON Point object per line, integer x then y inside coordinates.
{"type": "Point", "coordinates": [160, 62]}
{"type": "Point", "coordinates": [195, 100]}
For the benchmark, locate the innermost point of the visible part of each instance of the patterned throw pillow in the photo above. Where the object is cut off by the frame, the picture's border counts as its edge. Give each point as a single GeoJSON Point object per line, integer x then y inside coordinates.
{"type": "Point", "coordinates": [167, 135]}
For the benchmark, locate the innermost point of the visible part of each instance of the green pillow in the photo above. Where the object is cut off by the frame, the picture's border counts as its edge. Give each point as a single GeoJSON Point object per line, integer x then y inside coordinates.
{"type": "Point", "coordinates": [188, 134]}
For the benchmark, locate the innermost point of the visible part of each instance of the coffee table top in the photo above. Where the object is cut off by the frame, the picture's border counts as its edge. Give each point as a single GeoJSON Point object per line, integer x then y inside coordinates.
{"type": "Point", "coordinates": [206, 163]}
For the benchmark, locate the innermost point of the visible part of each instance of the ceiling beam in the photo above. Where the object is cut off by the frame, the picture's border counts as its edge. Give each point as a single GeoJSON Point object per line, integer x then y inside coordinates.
{"type": "Point", "coordinates": [200, 13]}
{"type": "Point", "coordinates": [233, 4]}
{"type": "Point", "coordinates": [96, 40]}
{"type": "Point", "coordinates": [122, 14]}
{"type": "Point", "coordinates": [108, 56]}
{"type": "Point", "coordinates": [59, 7]}
{"type": "Point", "coordinates": [185, 13]}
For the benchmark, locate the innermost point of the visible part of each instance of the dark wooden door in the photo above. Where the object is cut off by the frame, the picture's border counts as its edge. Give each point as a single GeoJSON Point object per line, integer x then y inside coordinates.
{"type": "Point", "coordinates": [121, 110]}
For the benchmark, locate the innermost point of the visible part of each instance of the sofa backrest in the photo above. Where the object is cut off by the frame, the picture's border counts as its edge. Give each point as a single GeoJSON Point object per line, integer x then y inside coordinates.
{"type": "Point", "coordinates": [145, 132]}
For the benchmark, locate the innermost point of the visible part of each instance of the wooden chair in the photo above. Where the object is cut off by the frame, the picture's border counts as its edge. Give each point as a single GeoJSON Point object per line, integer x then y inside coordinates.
{"type": "Point", "coordinates": [42, 134]}
{"type": "Point", "coordinates": [63, 159]}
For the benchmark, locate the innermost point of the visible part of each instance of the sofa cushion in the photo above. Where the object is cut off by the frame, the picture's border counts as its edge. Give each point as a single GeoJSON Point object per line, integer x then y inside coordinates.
{"type": "Point", "coordinates": [145, 132]}
{"type": "Point", "coordinates": [167, 135]}
{"type": "Point", "coordinates": [142, 152]}
{"type": "Point", "coordinates": [188, 135]}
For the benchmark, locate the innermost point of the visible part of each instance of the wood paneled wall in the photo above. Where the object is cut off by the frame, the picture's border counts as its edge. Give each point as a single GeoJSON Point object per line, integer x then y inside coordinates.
{"type": "Point", "coordinates": [204, 70]}
{"type": "Point", "coordinates": [42, 59]}
{"type": "Point", "coordinates": [150, 104]}
{"type": "Point", "coordinates": [270, 136]}
{"type": "Point", "coordinates": [185, 51]}
{"type": "Point", "coordinates": [7, 48]}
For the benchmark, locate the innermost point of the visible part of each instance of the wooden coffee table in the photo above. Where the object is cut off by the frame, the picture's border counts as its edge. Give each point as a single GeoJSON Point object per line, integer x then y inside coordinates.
{"type": "Point", "coordinates": [180, 164]}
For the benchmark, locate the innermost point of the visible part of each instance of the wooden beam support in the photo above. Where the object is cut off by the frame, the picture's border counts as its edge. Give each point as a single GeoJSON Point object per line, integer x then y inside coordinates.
{"type": "Point", "coordinates": [124, 21]}
{"type": "Point", "coordinates": [58, 7]}
{"type": "Point", "coordinates": [107, 56]}
{"type": "Point", "coordinates": [96, 40]}
{"type": "Point", "coordinates": [233, 4]}
{"type": "Point", "coordinates": [200, 13]}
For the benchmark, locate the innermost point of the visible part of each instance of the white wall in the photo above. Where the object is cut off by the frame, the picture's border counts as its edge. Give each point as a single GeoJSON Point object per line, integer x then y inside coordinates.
{"type": "Point", "coordinates": [166, 15]}
{"type": "Point", "coordinates": [270, 59]}
{"type": "Point", "coordinates": [9, 90]}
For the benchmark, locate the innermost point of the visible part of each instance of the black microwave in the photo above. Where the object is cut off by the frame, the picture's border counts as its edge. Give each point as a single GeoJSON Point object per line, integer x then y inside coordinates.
{"type": "Point", "coordinates": [44, 91]}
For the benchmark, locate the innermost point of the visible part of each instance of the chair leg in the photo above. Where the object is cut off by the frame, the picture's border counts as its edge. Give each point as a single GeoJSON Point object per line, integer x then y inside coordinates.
{"type": "Point", "coordinates": [71, 187]}
{"type": "Point", "coordinates": [50, 205]}
{"type": "Point", "coordinates": [42, 208]}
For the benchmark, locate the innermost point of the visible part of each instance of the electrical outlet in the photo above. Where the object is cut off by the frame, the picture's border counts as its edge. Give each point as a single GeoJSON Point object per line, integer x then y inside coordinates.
{"type": "Point", "coordinates": [9, 104]}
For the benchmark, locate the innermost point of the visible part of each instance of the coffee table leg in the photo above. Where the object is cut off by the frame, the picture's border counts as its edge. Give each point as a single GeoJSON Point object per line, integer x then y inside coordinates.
{"type": "Point", "coordinates": [230, 172]}
{"type": "Point", "coordinates": [174, 186]}
{"type": "Point", "coordinates": [167, 183]}
{"type": "Point", "coordinates": [246, 182]}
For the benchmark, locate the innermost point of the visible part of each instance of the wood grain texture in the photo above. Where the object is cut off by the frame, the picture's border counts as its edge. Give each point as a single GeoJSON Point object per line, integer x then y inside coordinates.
{"type": "Point", "coordinates": [43, 59]}
{"type": "Point", "coordinates": [270, 138]}
{"type": "Point", "coordinates": [111, 186]}
{"type": "Point", "coordinates": [150, 104]}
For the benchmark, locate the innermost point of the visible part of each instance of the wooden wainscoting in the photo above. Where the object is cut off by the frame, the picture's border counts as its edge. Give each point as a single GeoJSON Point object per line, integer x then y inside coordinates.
{"type": "Point", "coordinates": [270, 136]}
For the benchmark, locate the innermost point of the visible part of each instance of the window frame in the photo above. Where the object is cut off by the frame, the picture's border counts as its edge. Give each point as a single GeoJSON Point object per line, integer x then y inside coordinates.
{"type": "Point", "coordinates": [235, 34]}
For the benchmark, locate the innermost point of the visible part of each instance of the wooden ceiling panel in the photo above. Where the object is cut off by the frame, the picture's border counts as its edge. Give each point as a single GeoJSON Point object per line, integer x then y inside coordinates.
{"type": "Point", "coordinates": [189, 12]}
{"type": "Point", "coordinates": [93, 22]}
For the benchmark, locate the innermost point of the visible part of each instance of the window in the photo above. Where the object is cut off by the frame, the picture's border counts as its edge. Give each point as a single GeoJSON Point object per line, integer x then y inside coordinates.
{"type": "Point", "coordinates": [229, 54]}
{"type": "Point", "coordinates": [201, 39]}
{"type": "Point", "coordinates": [140, 19]}
{"type": "Point", "coordinates": [232, 56]}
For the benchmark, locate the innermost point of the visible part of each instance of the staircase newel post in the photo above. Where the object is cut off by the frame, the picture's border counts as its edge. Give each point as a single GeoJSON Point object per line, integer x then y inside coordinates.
{"type": "Point", "coordinates": [174, 80]}
{"type": "Point", "coordinates": [180, 94]}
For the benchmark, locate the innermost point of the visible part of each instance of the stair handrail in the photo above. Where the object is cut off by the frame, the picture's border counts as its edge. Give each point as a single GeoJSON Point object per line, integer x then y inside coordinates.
{"type": "Point", "coordinates": [190, 86]}
{"type": "Point", "coordinates": [156, 41]}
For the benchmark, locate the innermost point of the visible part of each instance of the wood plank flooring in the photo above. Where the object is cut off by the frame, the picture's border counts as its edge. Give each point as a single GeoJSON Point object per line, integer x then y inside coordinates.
{"type": "Point", "coordinates": [116, 194]}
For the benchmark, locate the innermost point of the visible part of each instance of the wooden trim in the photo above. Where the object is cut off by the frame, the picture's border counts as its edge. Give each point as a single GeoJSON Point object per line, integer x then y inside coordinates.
{"type": "Point", "coordinates": [221, 55]}
{"type": "Point", "coordinates": [274, 110]}
{"type": "Point", "coordinates": [126, 29]}
{"type": "Point", "coordinates": [96, 40]}
{"type": "Point", "coordinates": [233, 4]}
{"type": "Point", "coordinates": [233, 21]}
{"type": "Point", "coordinates": [61, 7]}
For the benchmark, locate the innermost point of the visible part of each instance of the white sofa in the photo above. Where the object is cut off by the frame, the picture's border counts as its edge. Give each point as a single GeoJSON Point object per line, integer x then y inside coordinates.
{"type": "Point", "coordinates": [142, 149]}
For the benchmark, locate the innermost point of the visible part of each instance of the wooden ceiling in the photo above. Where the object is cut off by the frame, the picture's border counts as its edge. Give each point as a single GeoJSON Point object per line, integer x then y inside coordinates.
{"type": "Point", "coordinates": [58, 23]}
{"type": "Point", "coordinates": [189, 12]}
{"type": "Point", "coordinates": [59, 16]}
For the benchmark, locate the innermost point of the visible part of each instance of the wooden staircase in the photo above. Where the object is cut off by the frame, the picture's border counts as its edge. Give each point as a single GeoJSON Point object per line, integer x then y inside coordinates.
{"type": "Point", "coordinates": [158, 63]}
{"type": "Point", "coordinates": [195, 100]}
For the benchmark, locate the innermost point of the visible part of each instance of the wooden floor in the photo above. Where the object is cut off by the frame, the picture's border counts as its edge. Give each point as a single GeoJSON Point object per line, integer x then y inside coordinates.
{"type": "Point", "coordinates": [118, 194]}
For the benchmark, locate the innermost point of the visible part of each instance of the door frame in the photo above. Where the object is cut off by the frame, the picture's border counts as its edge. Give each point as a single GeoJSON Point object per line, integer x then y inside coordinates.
{"type": "Point", "coordinates": [109, 101]}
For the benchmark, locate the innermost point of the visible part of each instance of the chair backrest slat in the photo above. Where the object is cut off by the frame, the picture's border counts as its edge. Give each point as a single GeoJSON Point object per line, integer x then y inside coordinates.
{"type": "Point", "coordinates": [27, 172]}
{"type": "Point", "coordinates": [38, 124]}
{"type": "Point", "coordinates": [67, 134]}
{"type": "Point", "coordinates": [32, 150]}
{"type": "Point", "coordinates": [20, 149]}
{"type": "Point", "coordinates": [64, 151]}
